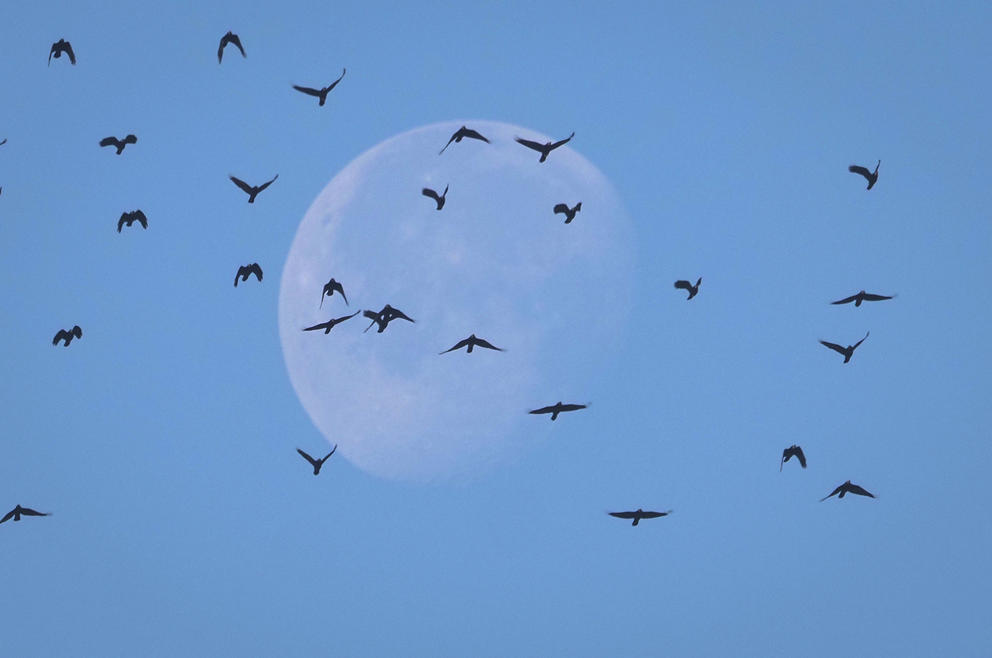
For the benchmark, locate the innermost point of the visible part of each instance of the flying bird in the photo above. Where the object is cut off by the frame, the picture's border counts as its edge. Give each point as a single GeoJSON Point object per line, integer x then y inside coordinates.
{"type": "Point", "coordinates": [329, 289]}
{"type": "Point", "coordinates": [320, 93]}
{"type": "Point", "coordinates": [317, 463]}
{"type": "Point", "coordinates": [871, 176]}
{"type": "Point", "coordinates": [119, 144]}
{"type": "Point", "coordinates": [471, 342]}
{"type": "Point", "coordinates": [568, 212]}
{"type": "Point", "coordinates": [67, 335]}
{"type": "Point", "coordinates": [327, 326]}
{"type": "Point", "coordinates": [384, 317]}
{"type": "Point", "coordinates": [59, 47]}
{"type": "Point", "coordinates": [230, 37]}
{"type": "Point", "coordinates": [846, 488]}
{"type": "Point", "coordinates": [638, 514]}
{"type": "Point", "coordinates": [558, 408]}
{"type": "Point", "coordinates": [245, 271]}
{"type": "Point", "coordinates": [789, 453]}
{"type": "Point", "coordinates": [545, 148]}
{"type": "Point", "coordinates": [18, 511]}
{"type": "Point", "coordinates": [685, 285]}
{"type": "Point", "coordinates": [848, 351]}
{"type": "Point", "coordinates": [428, 192]}
{"type": "Point", "coordinates": [252, 190]}
{"type": "Point", "coordinates": [129, 218]}
{"type": "Point", "coordinates": [861, 296]}
{"type": "Point", "coordinates": [3, 142]}
{"type": "Point", "coordinates": [461, 134]}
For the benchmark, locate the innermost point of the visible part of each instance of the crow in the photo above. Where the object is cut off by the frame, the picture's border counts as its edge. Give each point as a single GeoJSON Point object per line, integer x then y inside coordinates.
{"type": "Point", "coordinates": [471, 342]}
{"type": "Point", "coordinates": [317, 463]}
{"type": "Point", "coordinates": [789, 453]}
{"type": "Point", "coordinates": [67, 335]}
{"type": "Point", "coordinates": [384, 317]}
{"type": "Point", "coordinates": [230, 37]}
{"type": "Point", "coordinates": [685, 285]}
{"type": "Point", "coordinates": [59, 47]}
{"type": "Point", "coordinates": [847, 487]}
{"type": "Point", "coordinates": [320, 93]}
{"type": "Point", "coordinates": [327, 326]}
{"type": "Point", "coordinates": [252, 190]}
{"type": "Point", "coordinates": [245, 271]}
{"type": "Point", "coordinates": [848, 351]}
{"type": "Point", "coordinates": [638, 515]}
{"type": "Point", "coordinates": [461, 134]}
{"type": "Point", "coordinates": [545, 148]}
{"type": "Point", "coordinates": [558, 408]}
{"type": "Point", "coordinates": [431, 194]}
{"type": "Point", "coordinates": [861, 296]}
{"type": "Point", "coordinates": [329, 289]}
{"type": "Point", "coordinates": [568, 212]}
{"type": "Point", "coordinates": [871, 176]}
{"type": "Point", "coordinates": [119, 144]}
{"type": "Point", "coordinates": [130, 218]}
{"type": "Point", "coordinates": [18, 511]}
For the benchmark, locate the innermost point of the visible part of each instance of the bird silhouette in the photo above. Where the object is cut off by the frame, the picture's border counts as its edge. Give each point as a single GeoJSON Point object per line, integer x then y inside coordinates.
{"type": "Point", "coordinates": [471, 342]}
{"type": "Point", "coordinates": [4, 141]}
{"type": "Point", "coordinates": [846, 488]}
{"type": "Point", "coordinates": [59, 47]}
{"type": "Point", "coordinates": [245, 271]}
{"type": "Point", "coordinates": [18, 511]}
{"type": "Point", "coordinates": [861, 296]}
{"type": "Point", "coordinates": [230, 37]}
{"type": "Point", "coordinates": [67, 335]}
{"type": "Point", "coordinates": [568, 212]}
{"type": "Point", "coordinates": [327, 326]}
{"type": "Point", "coordinates": [329, 289]}
{"type": "Point", "coordinates": [848, 351]}
{"type": "Point", "coordinates": [871, 176]}
{"type": "Point", "coordinates": [685, 285]}
{"type": "Point", "coordinates": [545, 148]}
{"type": "Point", "coordinates": [789, 453]}
{"type": "Point", "coordinates": [558, 408]}
{"type": "Point", "coordinates": [322, 92]}
{"type": "Point", "coordinates": [119, 144]}
{"type": "Point", "coordinates": [129, 218]}
{"type": "Point", "coordinates": [461, 134]}
{"type": "Point", "coordinates": [317, 463]}
{"type": "Point", "coordinates": [428, 192]}
{"type": "Point", "coordinates": [252, 190]}
{"type": "Point", "coordinates": [384, 317]}
{"type": "Point", "coordinates": [638, 514]}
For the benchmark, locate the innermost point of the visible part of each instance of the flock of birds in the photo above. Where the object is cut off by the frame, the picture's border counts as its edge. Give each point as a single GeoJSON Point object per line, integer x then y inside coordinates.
{"type": "Point", "coordinates": [383, 317]}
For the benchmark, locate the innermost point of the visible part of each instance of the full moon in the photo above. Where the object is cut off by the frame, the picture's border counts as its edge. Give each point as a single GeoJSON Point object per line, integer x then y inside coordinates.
{"type": "Point", "coordinates": [496, 261]}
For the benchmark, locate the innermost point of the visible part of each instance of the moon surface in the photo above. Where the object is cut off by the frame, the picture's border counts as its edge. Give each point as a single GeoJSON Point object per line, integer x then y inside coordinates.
{"type": "Point", "coordinates": [496, 262]}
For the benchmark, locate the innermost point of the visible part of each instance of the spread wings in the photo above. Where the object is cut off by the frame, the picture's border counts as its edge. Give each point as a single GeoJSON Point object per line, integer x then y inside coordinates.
{"type": "Point", "coordinates": [833, 493]}
{"type": "Point", "coordinates": [846, 300]}
{"type": "Point", "coordinates": [480, 342]}
{"type": "Point", "coordinates": [67, 47]}
{"type": "Point", "coordinates": [266, 184]}
{"type": "Point", "coordinates": [468, 132]}
{"type": "Point", "coordinates": [683, 285]}
{"type": "Point", "coordinates": [310, 91]}
{"type": "Point", "coordinates": [62, 334]}
{"type": "Point", "coordinates": [561, 208]}
{"type": "Point", "coordinates": [27, 511]}
{"type": "Point", "coordinates": [330, 453]}
{"type": "Point", "coordinates": [561, 142]}
{"type": "Point", "coordinates": [623, 515]}
{"type": "Point", "coordinates": [243, 185]}
{"type": "Point", "coordinates": [855, 169]}
{"type": "Point", "coordinates": [835, 347]}
{"type": "Point", "coordinates": [307, 457]}
{"type": "Point", "coordinates": [110, 141]}
{"type": "Point", "coordinates": [860, 341]}
{"type": "Point", "coordinates": [335, 83]}
{"type": "Point", "coordinates": [876, 298]}
{"type": "Point", "coordinates": [530, 144]}
{"type": "Point", "coordinates": [226, 39]}
{"type": "Point", "coordinates": [460, 344]}
{"type": "Point", "coordinates": [855, 489]}
{"type": "Point", "coordinates": [428, 192]}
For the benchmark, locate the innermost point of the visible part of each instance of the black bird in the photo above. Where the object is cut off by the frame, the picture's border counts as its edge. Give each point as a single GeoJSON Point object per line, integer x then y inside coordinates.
{"type": "Point", "coordinates": [130, 218]}
{"type": "Point", "coordinates": [789, 453]}
{"type": "Point", "coordinates": [18, 511]}
{"type": "Point", "coordinates": [461, 134]}
{"type": "Point", "coordinates": [545, 148]}
{"type": "Point", "coordinates": [638, 514]}
{"type": "Point", "coordinates": [568, 212]}
{"type": "Point", "coordinates": [317, 463]}
{"type": "Point", "coordinates": [119, 144]}
{"type": "Point", "coordinates": [685, 285]}
{"type": "Point", "coordinates": [327, 326]}
{"type": "Point", "coordinates": [558, 408]}
{"type": "Point", "coordinates": [846, 488]}
{"type": "Point", "coordinates": [861, 296]}
{"type": "Point", "coordinates": [384, 317]}
{"type": "Point", "coordinates": [252, 190]}
{"type": "Point", "coordinates": [471, 342]}
{"type": "Point", "coordinates": [320, 93]}
{"type": "Point", "coordinates": [59, 47]}
{"type": "Point", "coordinates": [848, 351]}
{"type": "Point", "coordinates": [67, 335]}
{"type": "Point", "coordinates": [329, 289]}
{"type": "Point", "coordinates": [872, 176]}
{"type": "Point", "coordinates": [245, 271]}
{"type": "Point", "coordinates": [428, 192]}
{"type": "Point", "coordinates": [230, 37]}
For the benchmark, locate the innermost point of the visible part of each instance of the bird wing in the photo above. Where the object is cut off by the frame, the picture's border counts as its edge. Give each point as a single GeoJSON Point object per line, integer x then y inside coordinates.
{"type": "Point", "coordinates": [799, 455]}
{"type": "Point", "coordinates": [855, 169]}
{"type": "Point", "coordinates": [833, 493]}
{"type": "Point", "coordinates": [543, 410]}
{"type": "Point", "coordinates": [120, 222]}
{"type": "Point", "coordinates": [428, 192]}
{"type": "Point", "coordinates": [131, 139]}
{"type": "Point", "coordinates": [623, 515]}
{"type": "Point", "coordinates": [785, 453]}
{"type": "Point", "coordinates": [109, 141]}
{"type": "Point", "coordinates": [345, 317]}
{"type": "Point", "coordinates": [561, 142]}
{"type": "Point", "coordinates": [50, 53]}
{"type": "Point", "coordinates": [834, 346]}
{"type": "Point", "coordinates": [240, 183]}
{"type": "Point", "coordinates": [396, 313]}
{"type": "Point", "coordinates": [256, 269]}
{"type": "Point", "coordinates": [330, 453]}
{"type": "Point", "coordinates": [373, 315]}
{"type": "Point", "coordinates": [220, 49]}
{"type": "Point", "coordinates": [322, 325]}
{"type": "Point", "coordinates": [571, 407]}
{"type": "Point", "coordinates": [236, 40]}
{"type": "Point", "coordinates": [855, 489]}
{"type": "Point", "coordinates": [335, 83]}
{"type": "Point", "coordinates": [77, 332]}
{"type": "Point", "coordinates": [468, 132]}
{"type": "Point", "coordinates": [267, 183]}
{"type": "Point", "coordinates": [529, 144]}
{"type": "Point", "coordinates": [460, 344]}
{"type": "Point", "coordinates": [7, 516]}
{"type": "Point", "coordinates": [67, 47]}
{"type": "Point", "coordinates": [140, 216]}
{"type": "Point", "coordinates": [3, 141]}
{"type": "Point", "coordinates": [489, 346]}
{"type": "Point", "coordinates": [855, 346]}
{"type": "Point", "coordinates": [846, 300]}
{"type": "Point", "coordinates": [59, 336]}
{"type": "Point", "coordinates": [876, 298]}
{"type": "Point", "coordinates": [309, 91]}
{"type": "Point", "coordinates": [340, 289]}
{"type": "Point", "coordinates": [654, 515]}
{"type": "Point", "coordinates": [307, 457]}
{"type": "Point", "coordinates": [561, 208]}
{"type": "Point", "coordinates": [27, 511]}
{"type": "Point", "coordinates": [448, 144]}
{"type": "Point", "coordinates": [683, 285]}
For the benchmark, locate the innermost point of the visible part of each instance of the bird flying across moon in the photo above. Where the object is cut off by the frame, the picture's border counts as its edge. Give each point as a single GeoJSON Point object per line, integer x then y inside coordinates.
{"type": "Point", "coordinates": [545, 148]}
{"type": "Point", "coordinates": [322, 92]}
{"type": "Point", "coordinates": [252, 190]}
{"type": "Point", "coordinates": [568, 212]}
{"type": "Point", "coordinates": [18, 511]}
{"type": "Point", "coordinates": [384, 317]}
{"type": "Point", "coordinates": [638, 514]}
{"type": "Point", "coordinates": [328, 291]}
{"type": "Point", "coordinates": [789, 453]}
{"type": "Point", "coordinates": [119, 144]}
{"type": "Point", "coordinates": [317, 463]}
{"type": "Point", "coordinates": [848, 351]}
{"type": "Point", "coordinates": [438, 199]}
{"type": "Point", "coordinates": [245, 271]}
{"type": "Point", "coordinates": [862, 296]}
{"type": "Point", "coordinates": [230, 37]}
{"type": "Point", "coordinates": [870, 176]}
{"type": "Point", "coordinates": [692, 289]}
{"type": "Point", "coordinates": [461, 134]}
{"type": "Point", "coordinates": [67, 335]}
{"type": "Point", "coordinates": [847, 488]}
{"type": "Point", "coordinates": [327, 326]}
{"type": "Point", "coordinates": [129, 218]}
{"type": "Point", "coordinates": [557, 408]}
{"type": "Point", "coordinates": [469, 343]}
{"type": "Point", "coordinates": [59, 47]}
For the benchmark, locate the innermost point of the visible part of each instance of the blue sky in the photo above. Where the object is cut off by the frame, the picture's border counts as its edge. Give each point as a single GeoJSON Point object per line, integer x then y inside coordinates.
{"type": "Point", "coordinates": [184, 523]}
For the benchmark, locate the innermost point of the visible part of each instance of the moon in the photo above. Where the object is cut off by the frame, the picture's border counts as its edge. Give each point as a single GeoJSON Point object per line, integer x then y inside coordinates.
{"type": "Point", "coordinates": [495, 261]}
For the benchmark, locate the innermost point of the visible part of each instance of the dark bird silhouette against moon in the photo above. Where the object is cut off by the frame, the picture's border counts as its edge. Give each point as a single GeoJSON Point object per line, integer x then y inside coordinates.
{"type": "Point", "coordinates": [316, 463]}
{"type": "Point", "coordinates": [789, 453]}
{"type": "Point", "coordinates": [19, 511]}
{"type": "Point", "coordinates": [870, 176]}
{"type": "Point", "coordinates": [862, 296]}
{"type": "Point", "coordinates": [638, 514]}
{"type": "Point", "coordinates": [469, 343]}
{"type": "Point", "coordinates": [438, 199]}
{"type": "Point", "coordinates": [545, 148]}
{"type": "Point", "coordinates": [692, 289]}
{"type": "Point", "coordinates": [252, 190]}
{"type": "Point", "coordinates": [557, 408]}
{"type": "Point", "coordinates": [322, 92]}
{"type": "Point", "coordinates": [328, 291]}
{"type": "Point", "coordinates": [59, 47]}
{"type": "Point", "coordinates": [119, 144]}
{"type": "Point", "coordinates": [568, 212]}
{"type": "Point", "coordinates": [245, 271]}
{"type": "Point", "coordinates": [847, 488]}
{"type": "Point", "coordinates": [461, 134]}
{"type": "Point", "coordinates": [67, 335]}
{"type": "Point", "coordinates": [327, 326]}
{"type": "Point", "coordinates": [848, 351]}
{"type": "Point", "coordinates": [384, 317]}
{"type": "Point", "coordinates": [230, 37]}
{"type": "Point", "coordinates": [129, 218]}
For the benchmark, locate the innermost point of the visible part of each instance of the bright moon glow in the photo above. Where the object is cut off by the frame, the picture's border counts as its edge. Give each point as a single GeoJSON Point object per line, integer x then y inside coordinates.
{"type": "Point", "coordinates": [496, 262]}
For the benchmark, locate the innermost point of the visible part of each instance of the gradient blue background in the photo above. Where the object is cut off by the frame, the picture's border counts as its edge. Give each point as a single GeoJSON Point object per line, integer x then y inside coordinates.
{"type": "Point", "coordinates": [163, 442]}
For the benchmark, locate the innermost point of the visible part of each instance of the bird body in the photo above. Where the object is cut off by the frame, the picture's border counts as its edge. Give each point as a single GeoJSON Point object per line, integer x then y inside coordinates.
{"type": "Point", "coordinates": [438, 199]}
{"type": "Point", "coordinates": [789, 453]}
{"type": "Point", "coordinates": [329, 289]}
{"type": "Point", "coordinates": [545, 148]}
{"type": "Point", "coordinates": [638, 514]}
{"type": "Point", "coordinates": [129, 218]}
{"type": "Point", "coordinates": [245, 271]}
{"type": "Point", "coordinates": [461, 134]}
{"type": "Point", "coordinates": [327, 326]}
{"type": "Point", "coordinates": [862, 296]}
{"type": "Point", "coordinates": [317, 463]}
{"type": "Point", "coordinates": [692, 289]}
{"type": "Point", "coordinates": [67, 335]}
{"type": "Point", "coordinates": [471, 342]}
{"type": "Point", "coordinates": [384, 317]}
{"type": "Point", "coordinates": [870, 176]}
{"type": "Point", "coordinates": [252, 190]}
{"type": "Point", "coordinates": [558, 408]}
{"type": "Point", "coordinates": [848, 351]}
{"type": "Point", "coordinates": [59, 47]}
{"type": "Point", "coordinates": [322, 92]}
{"type": "Point", "coordinates": [18, 511]}
{"type": "Point", "coordinates": [230, 37]}
{"type": "Point", "coordinates": [119, 144]}
{"type": "Point", "coordinates": [846, 488]}
{"type": "Point", "coordinates": [568, 212]}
